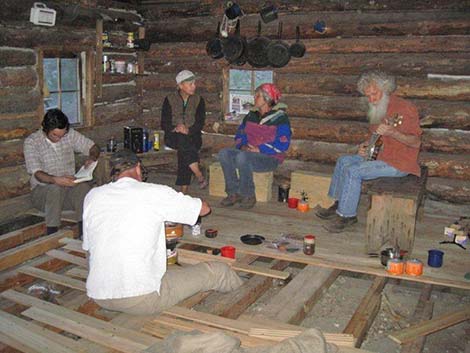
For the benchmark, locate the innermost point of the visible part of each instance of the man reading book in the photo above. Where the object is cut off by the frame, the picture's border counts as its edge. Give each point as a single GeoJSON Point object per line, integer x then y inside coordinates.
{"type": "Point", "coordinates": [50, 160]}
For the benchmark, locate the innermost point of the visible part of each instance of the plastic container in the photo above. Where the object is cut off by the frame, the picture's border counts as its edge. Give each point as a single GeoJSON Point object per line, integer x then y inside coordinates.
{"type": "Point", "coordinates": [228, 251]}
{"type": "Point", "coordinates": [292, 202]}
{"type": "Point", "coordinates": [435, 258]}
{"type": "Point", "coordinates": [120, 66]}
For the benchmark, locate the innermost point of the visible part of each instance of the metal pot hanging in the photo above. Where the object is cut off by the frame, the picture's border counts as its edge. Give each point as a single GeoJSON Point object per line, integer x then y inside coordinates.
{"type": "Point", "coordinates": [278, 51]}
{"type": "Point", "coordinates": [257, 50]}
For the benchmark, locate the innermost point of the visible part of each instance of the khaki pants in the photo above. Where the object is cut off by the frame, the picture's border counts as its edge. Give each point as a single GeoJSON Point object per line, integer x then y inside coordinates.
{"type": "Point", "coordinates": [178, 284]}
{"type": "Point", "coordinates": [53, 199]}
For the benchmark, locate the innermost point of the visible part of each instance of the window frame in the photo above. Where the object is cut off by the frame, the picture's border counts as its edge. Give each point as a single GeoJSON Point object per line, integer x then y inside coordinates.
{"type": "Point", "coordinates": [86, 65]}
{"type": "Point", "coordinates": [226, 88]}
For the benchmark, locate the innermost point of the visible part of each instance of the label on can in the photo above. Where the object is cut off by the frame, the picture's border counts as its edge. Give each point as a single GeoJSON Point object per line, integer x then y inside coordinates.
{"type": "Point", "coordinates": [156, 141]}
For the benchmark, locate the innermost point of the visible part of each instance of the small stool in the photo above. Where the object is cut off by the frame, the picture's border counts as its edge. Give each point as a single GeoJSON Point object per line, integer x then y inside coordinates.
{"type": "Point", "coordinates": [314, 184]}
{"type": "Point", "coordinates": [263, 183]}
{"type": "Point", "coordinates": [394, 207]}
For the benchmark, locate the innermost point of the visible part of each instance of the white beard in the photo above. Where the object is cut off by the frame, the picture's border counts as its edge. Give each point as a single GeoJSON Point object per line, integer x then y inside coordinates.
{"type": "Point", "coordinates": [377, 111]}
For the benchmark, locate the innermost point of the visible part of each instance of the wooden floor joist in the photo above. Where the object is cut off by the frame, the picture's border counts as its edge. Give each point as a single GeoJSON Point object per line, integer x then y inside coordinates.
{"type": "Point", "coordinates": [429, 326]}
{"type": "Point", "coordinates": [17, 237]}
{"type": "Point", "coordinates": [295, 300]}
{"type": "Point", "coordinates": [422, 312]}
{"type": "Point", "coordinates": [32, 249]}
{"type": "Point", "coordinates": [366, 311]}
{"type": "Point", "coordinates": [53, 277]}
{"type": "Point", "coordinates": [73, 259]}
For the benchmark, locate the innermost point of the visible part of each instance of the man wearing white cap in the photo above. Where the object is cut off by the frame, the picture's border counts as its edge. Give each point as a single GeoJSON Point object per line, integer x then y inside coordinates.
{"type": "Point", "coordinates": [183, 116]}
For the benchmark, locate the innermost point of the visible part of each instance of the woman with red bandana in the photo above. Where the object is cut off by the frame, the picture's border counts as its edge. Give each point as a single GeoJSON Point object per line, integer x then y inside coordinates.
{"type": "Point", "coordinates": [262, 140]}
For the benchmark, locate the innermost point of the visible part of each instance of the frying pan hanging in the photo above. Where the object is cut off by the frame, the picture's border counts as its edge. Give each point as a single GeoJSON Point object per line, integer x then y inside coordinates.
{"type": "Point", "coordinates": [257, 50]}
{"type": "Point", "coordinates": [233, 46]}
{"type": "Point", "coordinates": [214, 46]}
{"type": "Point", "coordinates": [278, 51]}
{"type": "Point", "coordinates": [297, 50]}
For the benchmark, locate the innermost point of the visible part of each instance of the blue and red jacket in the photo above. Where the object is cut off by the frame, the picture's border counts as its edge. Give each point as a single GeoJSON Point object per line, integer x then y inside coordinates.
{"type": "Point", "coordinates": [271, 132]}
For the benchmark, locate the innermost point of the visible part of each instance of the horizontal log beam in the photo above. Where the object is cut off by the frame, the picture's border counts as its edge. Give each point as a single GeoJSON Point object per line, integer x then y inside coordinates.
{"type": "Point", "coordinates": [14, 181]}
{"type": "Point", "coordinates": [11, 153]}
{"type": "Point", "coordinates": [18, 77]}
{"type": "Point", "coordinates": [16, 57]}
{"type": "Point", "coordinates": [20, 103]}
{"type": "Point", "coordinates": [341, 23]}
{"type": "Point", "coordinates": [108, 114]}
{"type": "Point", "coordinates": [18, 128]}
{"type": "Point", "coordinates": [115, 92]}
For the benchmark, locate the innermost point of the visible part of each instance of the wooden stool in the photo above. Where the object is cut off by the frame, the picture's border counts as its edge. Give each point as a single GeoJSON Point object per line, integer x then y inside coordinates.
{"type": "Point", "coordinates": [393, 210]}
{"type": "Point", "coordinates": [263, 183]}
{"type": "Point", "coordinates": [316, 186]}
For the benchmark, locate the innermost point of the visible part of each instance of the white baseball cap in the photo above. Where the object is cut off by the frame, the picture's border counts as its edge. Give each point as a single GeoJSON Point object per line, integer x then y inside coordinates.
{"type": "Point", "coordinates": [185, 75]}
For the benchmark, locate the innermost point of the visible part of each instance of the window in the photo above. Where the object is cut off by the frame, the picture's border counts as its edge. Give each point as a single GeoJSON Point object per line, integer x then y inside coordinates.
{"type": "Point", "coordinates": [63, 85]}
{"type": "Point", "coordinates": [242, 85]}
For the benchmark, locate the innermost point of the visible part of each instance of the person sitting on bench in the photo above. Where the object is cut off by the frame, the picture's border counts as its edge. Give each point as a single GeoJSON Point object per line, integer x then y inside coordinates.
{"type": "Point", "coordinates": [396, 122]}
{"type": "Point", "coordinates": [262, 140]}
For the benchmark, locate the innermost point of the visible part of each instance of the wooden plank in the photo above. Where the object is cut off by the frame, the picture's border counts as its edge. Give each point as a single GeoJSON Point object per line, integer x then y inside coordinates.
{"type": "Point", "coordinates": [62, 255]}
{"type": "Point", "coordinates": [32, 249]}
{"type": "Point", "coordinates": [99, 331]}
{"type": "Point", "coordinates": [53, 277]}
{"type": "Point", "coordinates": [330, 260]}
{"type": "Point", "coordinates": [366, 311]}
{"type": "Point", "coordinates": [423, 312]}
{"type": "Point", "coordinates": [231, 305]}
{"type": "Point", "coordinates": [296, 299]}
{"type": "Point", "coordinates": [34, 339]}
{"type": "Point", "coordinates": [12, 239]}
{"type": "Point", "coordinates": [77, 272]}
{"type": "Point", "coordinates": [429, 326]}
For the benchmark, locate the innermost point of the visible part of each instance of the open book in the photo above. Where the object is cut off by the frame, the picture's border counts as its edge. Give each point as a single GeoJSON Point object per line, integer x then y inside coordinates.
{"type": "Point", "coordinates": [85, 174]}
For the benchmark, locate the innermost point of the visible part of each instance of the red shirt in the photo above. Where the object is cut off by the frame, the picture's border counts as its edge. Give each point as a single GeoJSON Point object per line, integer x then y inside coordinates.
{"type": "Point", "coordinates": [394, 152]}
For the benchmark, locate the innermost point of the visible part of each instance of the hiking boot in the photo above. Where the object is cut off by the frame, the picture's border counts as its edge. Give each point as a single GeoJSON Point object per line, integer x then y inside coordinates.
{"type": "Point", "coordinates": [248, 202]}
{"type": "Point", "coordinates": [327, 213]}
{"type": "Point", "coordinates": [230, 200]}
{"type": "Point", "coordinates": [339, 224]}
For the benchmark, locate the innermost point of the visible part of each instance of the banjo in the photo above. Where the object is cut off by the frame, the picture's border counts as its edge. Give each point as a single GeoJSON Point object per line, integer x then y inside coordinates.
{"type": "Point", "coordinates": [376, 142]}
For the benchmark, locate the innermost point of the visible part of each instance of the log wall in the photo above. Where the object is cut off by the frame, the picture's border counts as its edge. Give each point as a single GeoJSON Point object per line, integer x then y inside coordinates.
{"type": "Point", "coordinates": [409, 39]}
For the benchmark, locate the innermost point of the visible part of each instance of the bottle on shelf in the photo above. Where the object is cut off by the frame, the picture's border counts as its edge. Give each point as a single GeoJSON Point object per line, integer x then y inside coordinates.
{"type": "Point", "coordinates": [130, 40]}
{"type": "Point", "coordinates": [105, 63]}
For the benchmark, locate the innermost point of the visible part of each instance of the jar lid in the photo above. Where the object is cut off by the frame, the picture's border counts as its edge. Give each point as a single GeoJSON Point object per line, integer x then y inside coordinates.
{"type": "Point", "coordinates": [309, 238]}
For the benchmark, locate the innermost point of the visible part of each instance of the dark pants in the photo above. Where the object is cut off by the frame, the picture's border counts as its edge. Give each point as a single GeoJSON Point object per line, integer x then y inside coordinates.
{"type": "Point", "coordinates": [188, 153]}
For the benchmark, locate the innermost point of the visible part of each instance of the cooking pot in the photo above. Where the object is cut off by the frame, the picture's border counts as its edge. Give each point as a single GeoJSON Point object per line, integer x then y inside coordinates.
{"type": "Point", "coordinates": [297, 50]}
{"type": "Point", "coordinates": [257, 50]}
{"type": "Point", "coordinates": [234, 46]}
{"type": "Point", "coordinates": [268, 13]}
{"type": "Point", "coordinates": [278, 51]}
{"type": "Point", "coordinates": [214, 46]}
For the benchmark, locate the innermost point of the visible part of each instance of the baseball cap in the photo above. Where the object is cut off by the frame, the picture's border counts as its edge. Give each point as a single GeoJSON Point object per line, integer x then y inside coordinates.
{"type": "Point", "coordinates": [123, 160]}
{"type": "Point", "coordinates": [185, 75]}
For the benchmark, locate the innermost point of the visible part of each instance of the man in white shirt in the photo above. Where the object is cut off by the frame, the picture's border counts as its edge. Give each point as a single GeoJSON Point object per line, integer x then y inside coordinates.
{"type": "Point", "coordinates": [124, 233]}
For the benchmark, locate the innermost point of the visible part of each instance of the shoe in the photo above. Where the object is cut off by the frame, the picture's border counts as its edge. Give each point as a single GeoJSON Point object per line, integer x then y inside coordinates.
{"type": "Point", "coordinates": [230, 200]}
{"type": "Point", "coordinates": [248, 202]}
{"type": "Point", "coordinates": [327, 213]}
{"type": "Point", "coordinates": [338, 224]}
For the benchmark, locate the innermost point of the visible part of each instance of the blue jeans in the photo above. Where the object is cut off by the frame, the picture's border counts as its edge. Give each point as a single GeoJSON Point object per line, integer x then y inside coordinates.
{"type": "Point", "coordinates": [347, 179]}
{"type": "Point", "coordinates": [246, 162]}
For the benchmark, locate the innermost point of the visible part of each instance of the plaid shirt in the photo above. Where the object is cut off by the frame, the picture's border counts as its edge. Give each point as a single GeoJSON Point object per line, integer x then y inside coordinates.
{"type": "Point", "coordinates": [56, 159]}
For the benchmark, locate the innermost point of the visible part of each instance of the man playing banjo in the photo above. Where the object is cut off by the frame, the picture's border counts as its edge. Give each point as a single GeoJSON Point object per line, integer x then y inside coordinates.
{"type": "Point", "coordinates": [397, 122]}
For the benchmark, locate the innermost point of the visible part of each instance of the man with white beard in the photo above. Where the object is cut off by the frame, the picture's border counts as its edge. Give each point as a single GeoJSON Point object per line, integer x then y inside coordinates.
{"type": "Point", "coordinates": [397, 158]}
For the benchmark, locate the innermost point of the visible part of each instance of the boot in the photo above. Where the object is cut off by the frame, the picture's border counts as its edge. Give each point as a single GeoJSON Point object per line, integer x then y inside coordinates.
{"type": "Point", "coordinates": [327, 213]}
{"type": "Point", "coordinates": [248, 202]}
{"type": "Point", "coordinates": [230, 200]}
{"type": "Point", "coordinates": [339, 224]}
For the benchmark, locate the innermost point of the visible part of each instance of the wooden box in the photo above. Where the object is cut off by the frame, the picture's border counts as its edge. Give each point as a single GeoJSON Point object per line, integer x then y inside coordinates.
{"type": "Point", "coordinates": [316, 186]}
{"type": "Point", "coordinates": [263, 183]}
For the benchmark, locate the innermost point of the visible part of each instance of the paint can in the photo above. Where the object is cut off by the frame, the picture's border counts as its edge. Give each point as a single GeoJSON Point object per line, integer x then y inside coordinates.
{"type": "Point", "coordinates": [395, 267]}
{"type": "Point", "coordinates": [435, 258]}
{"type": "Point", "coordinates": [414, 267]}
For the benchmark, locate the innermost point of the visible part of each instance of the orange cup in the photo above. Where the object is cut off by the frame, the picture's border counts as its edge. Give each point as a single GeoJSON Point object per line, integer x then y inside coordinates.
{"type": "Point", "coordinates": [228, 251]}
{"type": "Point", "coordinates": [303, 207]}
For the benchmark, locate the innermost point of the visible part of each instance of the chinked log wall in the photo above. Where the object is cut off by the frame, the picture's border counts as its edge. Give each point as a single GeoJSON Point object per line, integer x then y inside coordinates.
{"type": "Point", "coordinates": [408, 39]}
{"type": "Point", "coordinates": [20, 92]}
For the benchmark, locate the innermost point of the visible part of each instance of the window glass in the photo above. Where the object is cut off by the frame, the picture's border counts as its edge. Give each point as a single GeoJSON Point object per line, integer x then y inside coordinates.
{"type": "Point", "coordinates": [242, 85]}
{"type": "Point", "coordinates": [69, 74]}
{"type": "Point", "coordinates": [51, 74]}
{"type": "Point", "coordinates": [70, 105]}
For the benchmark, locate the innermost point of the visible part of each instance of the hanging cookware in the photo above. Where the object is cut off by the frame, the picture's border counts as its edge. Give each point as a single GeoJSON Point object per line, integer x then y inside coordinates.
{"type": "Point", "coordinates": [233, 46]}
{"type": "Point", "coordinates": [268, 13]}
{"type": "Point", "coordinates": [242, 58]}
{"type": "Point", "coordinates": [257, 50]}
{"type": "Point", "coordinates": [278, 51]}
{"type": "Point", "coordinates": [297, 50]}
{"type": "Point", "coordinates": [214, 46]}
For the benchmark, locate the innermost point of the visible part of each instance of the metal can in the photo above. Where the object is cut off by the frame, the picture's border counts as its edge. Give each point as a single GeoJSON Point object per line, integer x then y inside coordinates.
{"type": "Point", "coordinates": [130, 68]}
{"type": "Point", "coordinates": [145, 139]}
{"type": "Point", "coordinates": [156, 141]}
{"type": "Point", "coordinates": [395, 267]}
{"type": "Point", "coordinates": [111, 145]}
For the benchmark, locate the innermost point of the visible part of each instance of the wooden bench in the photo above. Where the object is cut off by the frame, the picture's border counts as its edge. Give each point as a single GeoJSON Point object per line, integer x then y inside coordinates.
{"type": "Point", "coordinates": [394, 207]}
{"type": "Point", "coordinates": [263, 183]}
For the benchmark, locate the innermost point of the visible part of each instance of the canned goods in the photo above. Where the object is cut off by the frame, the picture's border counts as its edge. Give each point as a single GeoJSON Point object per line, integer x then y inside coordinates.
{"type": "Point", "coordinates": [395, 266]}
{"type": "Point", "coordinates": [414, 267]}
{"type": "Point", "coordinates": [130, 40]}
{"type": "Point", "coordinates": [156, 141]}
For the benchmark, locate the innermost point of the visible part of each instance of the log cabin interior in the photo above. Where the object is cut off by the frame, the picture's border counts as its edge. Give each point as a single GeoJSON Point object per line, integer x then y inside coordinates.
{"type": "Point", "coordinates": [342, 289]}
